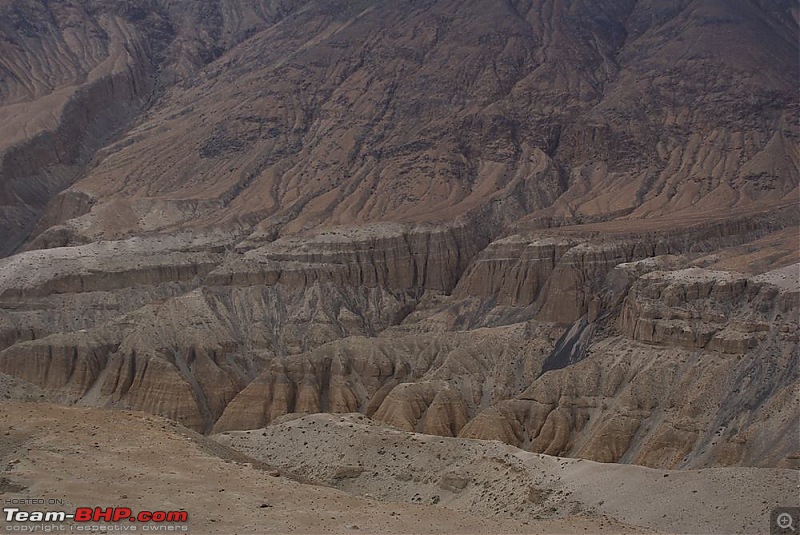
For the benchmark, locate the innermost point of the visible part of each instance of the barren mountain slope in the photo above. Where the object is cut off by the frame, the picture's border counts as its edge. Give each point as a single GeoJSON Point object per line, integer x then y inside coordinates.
{"type": "Point", "coordinates": [76, 75]}
{"type": "Point", "coordinates": [359, 111]}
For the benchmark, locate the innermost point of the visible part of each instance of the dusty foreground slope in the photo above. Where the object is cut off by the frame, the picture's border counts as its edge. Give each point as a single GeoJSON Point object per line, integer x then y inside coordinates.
{"type": "Point", "coordinates": [110, 458]}
{"type": "Point", "coordinates": [384, 480]}
{"type": "Point", "coordinates": [355, 454]}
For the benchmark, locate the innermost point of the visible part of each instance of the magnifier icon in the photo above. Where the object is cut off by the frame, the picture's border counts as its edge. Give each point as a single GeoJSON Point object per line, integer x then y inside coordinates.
{"type": "Point", "coordinates": [785, 521]}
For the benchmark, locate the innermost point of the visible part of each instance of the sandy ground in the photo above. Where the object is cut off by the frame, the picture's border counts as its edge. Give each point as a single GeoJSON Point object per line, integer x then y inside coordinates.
{"type": "Point", "coordinates": [499, 481]}
{"type": "Point", "coordinates": [103, 458]}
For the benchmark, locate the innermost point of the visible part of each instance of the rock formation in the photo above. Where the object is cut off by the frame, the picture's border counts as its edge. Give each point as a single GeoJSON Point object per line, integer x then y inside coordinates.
{"type": "Point", "coordinates": [569, 226]}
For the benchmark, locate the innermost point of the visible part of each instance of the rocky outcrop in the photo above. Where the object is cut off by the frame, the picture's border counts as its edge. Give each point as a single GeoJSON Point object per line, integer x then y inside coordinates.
{"type": "Point", "coordinates": [358, 322]}
{"type": "Point", "coordinates": [191, 385]}
{"type": "Point", "coordinates": [705, 360]}
{"type": "Point", "coordinates": [67, 363]}
{"type": "Point", "coordinates": [561, 274]}
{"type": "Point", "coordinates": [697, 308]}
{"type": "Point", "coordinates": [10, 335]}
{"type": "Point", "coordinates": [383, 256]}
{"type": "Point", "coordinates": [177, 361]}
{"type": "Point", "coordinates": [659, 408]}
{"type": "Point", "coordinates": [82, 269]}
{"type": "Point", "coordinates": [187, 356]}
{"type": "Point", "coordinates": [514, 270]}
{"type": "Point", "coordinates": [433, 408]}
{"type": "Point", "coordinates": [341, 378]}
{"type": "Point", "coordinates": [431, 383]}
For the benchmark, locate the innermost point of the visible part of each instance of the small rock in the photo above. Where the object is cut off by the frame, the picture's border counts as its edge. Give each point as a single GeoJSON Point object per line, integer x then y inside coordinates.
{"type": "Point", "coordinates": [454, 482]}
{"type": "Point", "coordinates": [347, 472]}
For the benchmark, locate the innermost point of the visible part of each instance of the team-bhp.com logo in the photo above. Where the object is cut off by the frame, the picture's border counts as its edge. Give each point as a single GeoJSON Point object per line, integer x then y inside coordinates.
{"type": "Point", "coordinates": [113, 515]}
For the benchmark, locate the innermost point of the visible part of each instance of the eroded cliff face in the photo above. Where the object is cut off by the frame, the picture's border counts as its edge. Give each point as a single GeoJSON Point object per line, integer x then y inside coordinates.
{"type": "Point", "coordinates": [425, 257]}
{"type": "Point", "coordinates": [682, 368]}
{"type": "Point", "coordinates": [558, 344]}
{"type": "Point", "coordinates": [562, 275]}
{"type": "Point", "coordinates": [425, 382]}
{"type": "Point", "coordinates": [697, 361]}
{"type": "Point", "coordinates": [186, 356]}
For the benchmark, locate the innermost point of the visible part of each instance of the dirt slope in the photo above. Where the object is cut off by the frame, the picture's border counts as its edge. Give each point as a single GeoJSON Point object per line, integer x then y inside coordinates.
{"type": "Point", "coordinates": [357, 455]}
{"type": "Point", "coordinates": [92, 457]}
